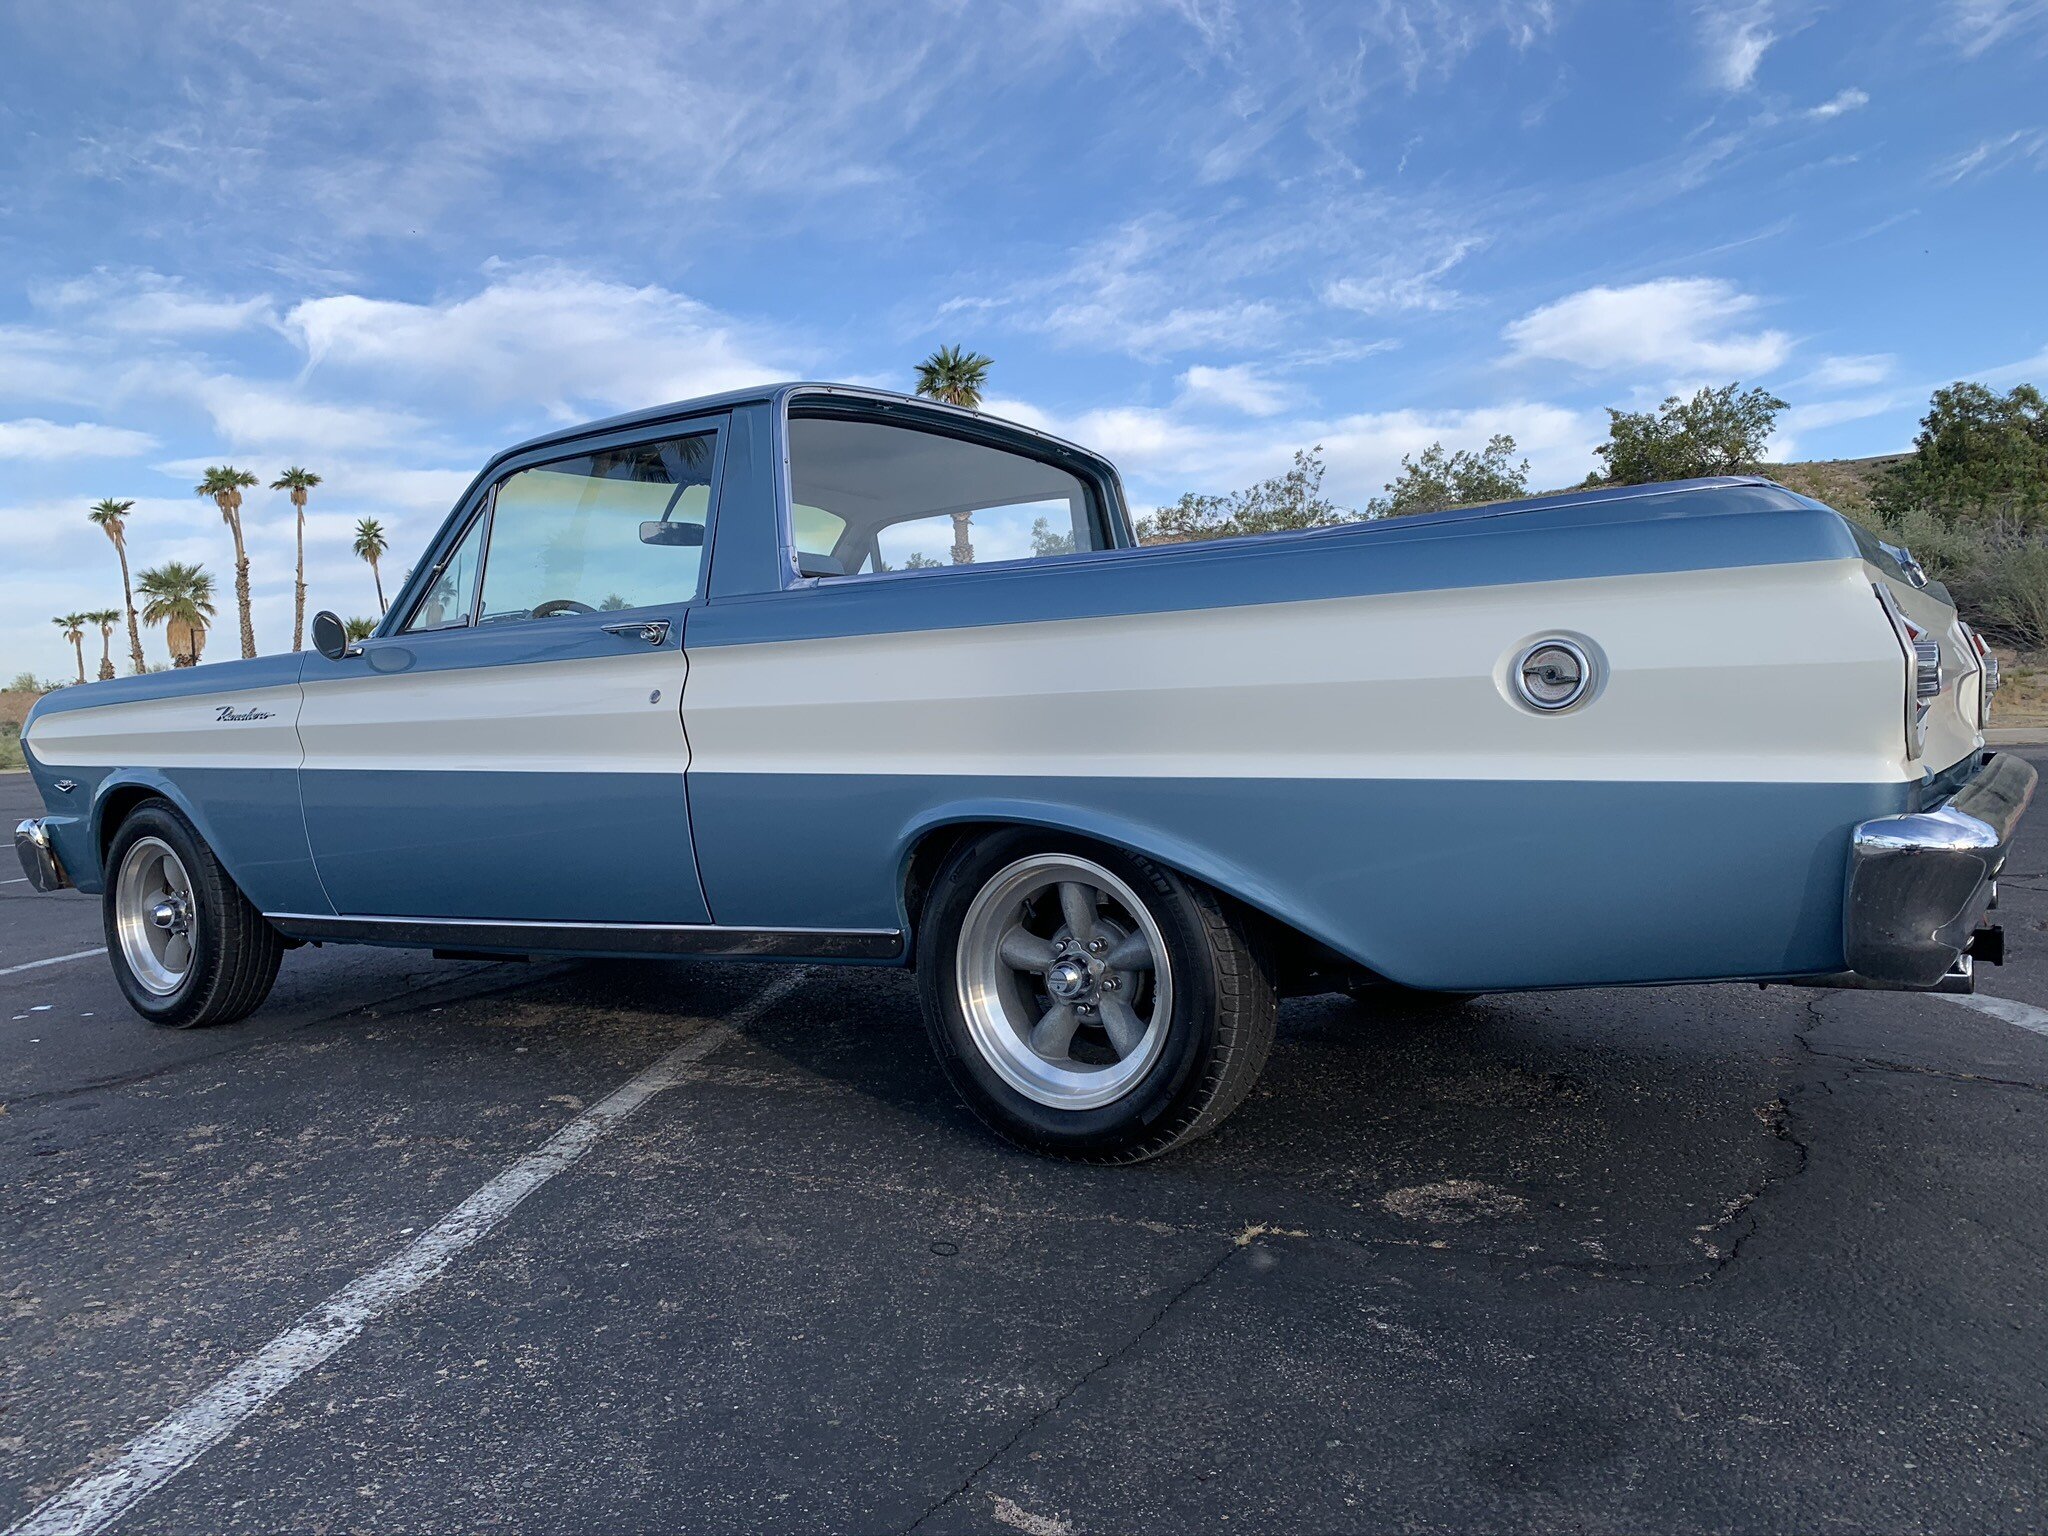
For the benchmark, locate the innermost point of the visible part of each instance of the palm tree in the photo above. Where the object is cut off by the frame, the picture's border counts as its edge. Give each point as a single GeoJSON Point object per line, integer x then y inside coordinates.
{"type": "Point", "coordinates": [106, 618]}
{"type": "Point", "coordinates": [73, 625]}
{"type": "Point", "coordinates": [111, 517]}
{"type": "Point", "coordinates": [180, 597]}
{"type": "Point", "coordinates": [359, 629]}
{"type": "Point", "coordinates": [298, 482]}
{"type": "Point", "coordinates": [370, 546]}
{"type": "Point", "coordinates": [954, 376]}
{"type": "Point", "coordinates": [225, 484]}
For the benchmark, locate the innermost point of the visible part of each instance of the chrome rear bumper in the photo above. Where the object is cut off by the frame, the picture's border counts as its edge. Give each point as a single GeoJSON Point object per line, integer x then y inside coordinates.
{"type": "Point", "coordinates": [38, 859]}
{"type": "Point", "coordinates": [1919, 884]}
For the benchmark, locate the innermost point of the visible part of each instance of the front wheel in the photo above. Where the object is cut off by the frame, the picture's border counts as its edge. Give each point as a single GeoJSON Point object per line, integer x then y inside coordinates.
{"type": "Point", "coordinates": [188, 948]}
{"type": "Point", "coordinates": [1087, 1002]}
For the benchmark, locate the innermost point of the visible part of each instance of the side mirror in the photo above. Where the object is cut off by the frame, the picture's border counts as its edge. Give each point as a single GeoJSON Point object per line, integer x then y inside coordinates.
{"type": "Point", "coordinates": [330, 636]}
{"type": "Point", "coordinates": [677, 535]}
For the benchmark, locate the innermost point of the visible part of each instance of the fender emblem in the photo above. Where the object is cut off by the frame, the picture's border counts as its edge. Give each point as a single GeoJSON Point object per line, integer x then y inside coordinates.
{"type": "Point", "coordinates": [229, 712]}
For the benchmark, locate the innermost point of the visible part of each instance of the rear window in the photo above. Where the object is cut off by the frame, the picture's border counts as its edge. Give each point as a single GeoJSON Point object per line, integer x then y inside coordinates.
{"type": "Point", "coordinates": [878, 496]}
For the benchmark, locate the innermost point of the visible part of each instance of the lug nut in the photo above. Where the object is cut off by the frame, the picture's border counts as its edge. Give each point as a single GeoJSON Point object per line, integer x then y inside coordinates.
{"type": "Point", "coordinates": [1096, 946]}
{"type": "Point", "coordinates": [1109, 983]}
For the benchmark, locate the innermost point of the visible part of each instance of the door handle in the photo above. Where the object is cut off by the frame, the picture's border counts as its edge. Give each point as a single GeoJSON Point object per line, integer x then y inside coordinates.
{"type": "Point", "coordinates": [653, 631]}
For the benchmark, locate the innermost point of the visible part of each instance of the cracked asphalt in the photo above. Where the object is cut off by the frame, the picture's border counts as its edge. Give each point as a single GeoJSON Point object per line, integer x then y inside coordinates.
{"type": "Point", "coordinates": [1701, 1259]}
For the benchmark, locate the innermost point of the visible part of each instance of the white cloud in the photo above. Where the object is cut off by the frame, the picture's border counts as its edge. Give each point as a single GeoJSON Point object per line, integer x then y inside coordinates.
{"type": "Point", "coordinates": [551, 335]}
{"type": "Point", "coordinates": [146, 303]}
{"type": "Point", "coordinates": [1398, 287]}
{"type": "Point", "coordinates": [1979, 25]}
{"type": "Point", "coordinates": [1735, 38]}
{"type": "Point", "coordinates": [1851, 372]}
{"type": "Point", "coordinates": [1164, 451]}
{"type": "Point", "coordinates": [34, 438]}
{"type": "Point", "coordinates": [1240, 387]}
{"type": "Point", "coordinates": [1674, 324]}
{"type": "Point", "coordinates": [252, 415]}
{"type": "Point", "coordinates": [1989, 155]}
{"type": "Point", "coordinates": [1842, 101]}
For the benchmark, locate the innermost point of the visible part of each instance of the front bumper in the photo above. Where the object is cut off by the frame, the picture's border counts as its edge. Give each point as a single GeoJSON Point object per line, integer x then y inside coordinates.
{"type": "Point", "coordinates": [39, 859]}
{"type": "Point", "coordinates": [1919, 884]}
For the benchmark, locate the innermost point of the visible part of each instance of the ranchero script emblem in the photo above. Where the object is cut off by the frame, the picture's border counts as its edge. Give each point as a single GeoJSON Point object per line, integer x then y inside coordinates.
{"type": "Point", "coordinates": [229, 712]}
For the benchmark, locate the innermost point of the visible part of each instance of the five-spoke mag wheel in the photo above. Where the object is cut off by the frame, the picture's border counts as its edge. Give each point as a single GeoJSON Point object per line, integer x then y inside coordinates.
{"type": "Point", "coordinates": [1064, 980]}
{"type": "Point", "coordinates": [187, 947]}
{"type": "Point", "coordinates": [1087, 1001]}
{"type": "Point", "coordinates": [154, 916]}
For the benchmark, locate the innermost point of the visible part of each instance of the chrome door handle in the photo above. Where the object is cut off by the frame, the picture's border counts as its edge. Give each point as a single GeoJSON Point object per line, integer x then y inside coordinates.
{"type": "Point", "coordinates": [653, 631]}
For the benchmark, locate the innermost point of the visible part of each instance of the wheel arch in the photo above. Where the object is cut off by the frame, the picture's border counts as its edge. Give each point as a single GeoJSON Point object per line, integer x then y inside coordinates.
{"type": "Point", "coordinates": [929, 839]}
{"type": "Point", "coordinates": [122, 791]}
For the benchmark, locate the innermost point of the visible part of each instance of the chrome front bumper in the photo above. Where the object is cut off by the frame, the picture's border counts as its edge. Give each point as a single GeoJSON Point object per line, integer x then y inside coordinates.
{"type": "Point", "coordinates": [38, 859]}
{"type": "Point", "coordinates": [1920, 884]}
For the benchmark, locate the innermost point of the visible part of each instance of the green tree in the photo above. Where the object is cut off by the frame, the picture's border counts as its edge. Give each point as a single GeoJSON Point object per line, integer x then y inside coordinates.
{"type": "Point", "coordinates": [298, 482]}
{"type": "Point", "coordinates": [179, 597]}
{"type": "Point", "coordinates": [369, 547]}
{"type": "Point", "coordinates": [224, 484]}
{"type": "Point", "coordinates": [1717, 432]}
{"type": "Point", "coordinates": [359, 629]}
{"type": "Point", "coordinates": [106, 618]}
{"type": "Point", "coordinates": [73, 625]}
{"type": "Point", "coordinates": [955, 376]}
{"type": "Point", "coordinates": [111, 518]}
{"type": "Point", "coordinates": [1044, 541]}
{"type": "Point", "coordinates": [1293, 499]}
{"type": "Point", "coordinates": [1438, 481]}
{"type": "Point", "coordinates": [1979, 455]}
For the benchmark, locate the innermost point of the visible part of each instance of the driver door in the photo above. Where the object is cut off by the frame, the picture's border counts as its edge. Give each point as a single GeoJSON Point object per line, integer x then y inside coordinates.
{"type": "Point", "coordinates": [509, 745]}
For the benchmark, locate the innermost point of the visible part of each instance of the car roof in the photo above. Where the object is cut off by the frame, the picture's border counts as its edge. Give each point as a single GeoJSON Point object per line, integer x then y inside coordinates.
{"type": "Point", "coordinates": [761, 394]}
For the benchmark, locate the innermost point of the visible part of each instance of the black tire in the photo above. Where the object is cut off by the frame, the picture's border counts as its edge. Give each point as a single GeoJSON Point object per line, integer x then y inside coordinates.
{"type": "Point", "coordinates": [234, 951]}
{"type": "Point", "coordinates": [1217, 1038]}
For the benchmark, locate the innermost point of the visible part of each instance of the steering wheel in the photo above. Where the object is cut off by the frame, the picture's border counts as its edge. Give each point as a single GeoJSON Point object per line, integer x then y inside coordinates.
{"type": "Point", "coordinates": [555, 605]}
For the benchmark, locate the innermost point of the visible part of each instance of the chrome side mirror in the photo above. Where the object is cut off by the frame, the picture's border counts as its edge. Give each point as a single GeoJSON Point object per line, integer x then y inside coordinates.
{"type": "Point", "coordinates": [330, 636]}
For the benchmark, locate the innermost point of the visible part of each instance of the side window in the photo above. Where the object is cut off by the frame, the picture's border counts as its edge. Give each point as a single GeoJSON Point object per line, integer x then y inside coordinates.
{"type": "Point", "coordinates": [618, 528]}
{"type": "Point", "coordinates": [876, 496]}
{"type": "Point", "coordinates": [449, 602]}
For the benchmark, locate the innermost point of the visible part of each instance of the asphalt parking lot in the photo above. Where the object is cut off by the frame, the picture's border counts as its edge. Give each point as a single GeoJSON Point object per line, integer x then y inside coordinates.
{"type": "Point", "coordinates": [1697, 1259]}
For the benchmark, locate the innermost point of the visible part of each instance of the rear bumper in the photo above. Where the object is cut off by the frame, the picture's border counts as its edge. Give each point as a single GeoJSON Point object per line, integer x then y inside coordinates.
{"type": "Point", "coordinates": [39, 859]}
{"type": "Point", "coordinates": [1919, 884]}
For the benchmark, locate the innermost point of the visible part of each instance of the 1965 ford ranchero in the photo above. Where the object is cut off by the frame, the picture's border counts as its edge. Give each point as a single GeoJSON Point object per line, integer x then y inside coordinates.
{"type": "Point", "coordinates": [828, 674]}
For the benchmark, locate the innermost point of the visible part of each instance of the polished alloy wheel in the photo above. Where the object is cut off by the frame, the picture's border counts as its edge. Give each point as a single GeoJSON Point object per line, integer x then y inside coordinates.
{"type": "Point", "coordinates": [1065, 981]}
{"type": "Point", "coordinates": [154, 915]}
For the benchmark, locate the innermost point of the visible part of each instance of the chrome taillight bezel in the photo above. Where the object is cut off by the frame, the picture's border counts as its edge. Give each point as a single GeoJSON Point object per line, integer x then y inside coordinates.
{"type": "Point", "coordinates": [1922, 655]}
{"type": "Point", "coordinates": [1986, 661]}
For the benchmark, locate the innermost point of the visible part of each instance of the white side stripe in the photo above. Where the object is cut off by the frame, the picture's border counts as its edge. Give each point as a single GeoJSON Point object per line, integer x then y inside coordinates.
{"type": "Point", "coordinates": [37, 965]}
{"type": "Point", "coordinates": [157, 1455]}
{"type": "Point", "coordinates": [2023, 1014]}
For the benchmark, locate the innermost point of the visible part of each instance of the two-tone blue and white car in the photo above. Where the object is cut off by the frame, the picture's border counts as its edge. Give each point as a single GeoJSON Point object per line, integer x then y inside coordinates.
{"type": "Point", "coordinates": [828, 674]}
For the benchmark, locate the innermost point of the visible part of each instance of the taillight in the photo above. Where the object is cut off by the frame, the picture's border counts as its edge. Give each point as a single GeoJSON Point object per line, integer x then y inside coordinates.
{"type": "Point", "coordinates": [1923, 667]}
{"type": "Point", "coordinates": [1987, 674]}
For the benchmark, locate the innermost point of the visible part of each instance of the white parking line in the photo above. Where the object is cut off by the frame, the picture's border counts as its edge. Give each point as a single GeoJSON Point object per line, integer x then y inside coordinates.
{"type": "Point", "coordinates": [2026, 1015]}
{"type": "Point", "coordinates": [159, 1454]}
{"type": "Point", "coordinates": [37, 965]}
{"type": "Point", "coordinates": [16, 880]}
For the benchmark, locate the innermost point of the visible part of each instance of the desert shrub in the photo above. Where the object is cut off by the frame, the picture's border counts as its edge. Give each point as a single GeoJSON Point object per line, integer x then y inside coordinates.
{"type": "Point", "coordinates": [2013, 598]}
{"type": "Point", "coordinates": [10, 746]}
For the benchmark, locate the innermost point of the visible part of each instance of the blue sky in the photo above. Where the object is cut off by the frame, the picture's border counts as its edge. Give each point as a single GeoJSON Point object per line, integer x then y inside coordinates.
{"type": "Point", "coordinates": [381, 240]}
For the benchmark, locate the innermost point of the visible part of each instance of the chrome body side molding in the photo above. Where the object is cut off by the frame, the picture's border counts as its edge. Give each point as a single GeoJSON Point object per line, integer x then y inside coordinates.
{"type": "Point", "coordinates": [525, 938]}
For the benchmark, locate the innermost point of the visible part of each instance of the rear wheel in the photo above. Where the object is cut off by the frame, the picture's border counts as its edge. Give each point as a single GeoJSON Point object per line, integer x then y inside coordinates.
{"type": "Point", "coordinates": [1087, 1002]}
{"type": "Point", "coordinates": [188, 948]}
